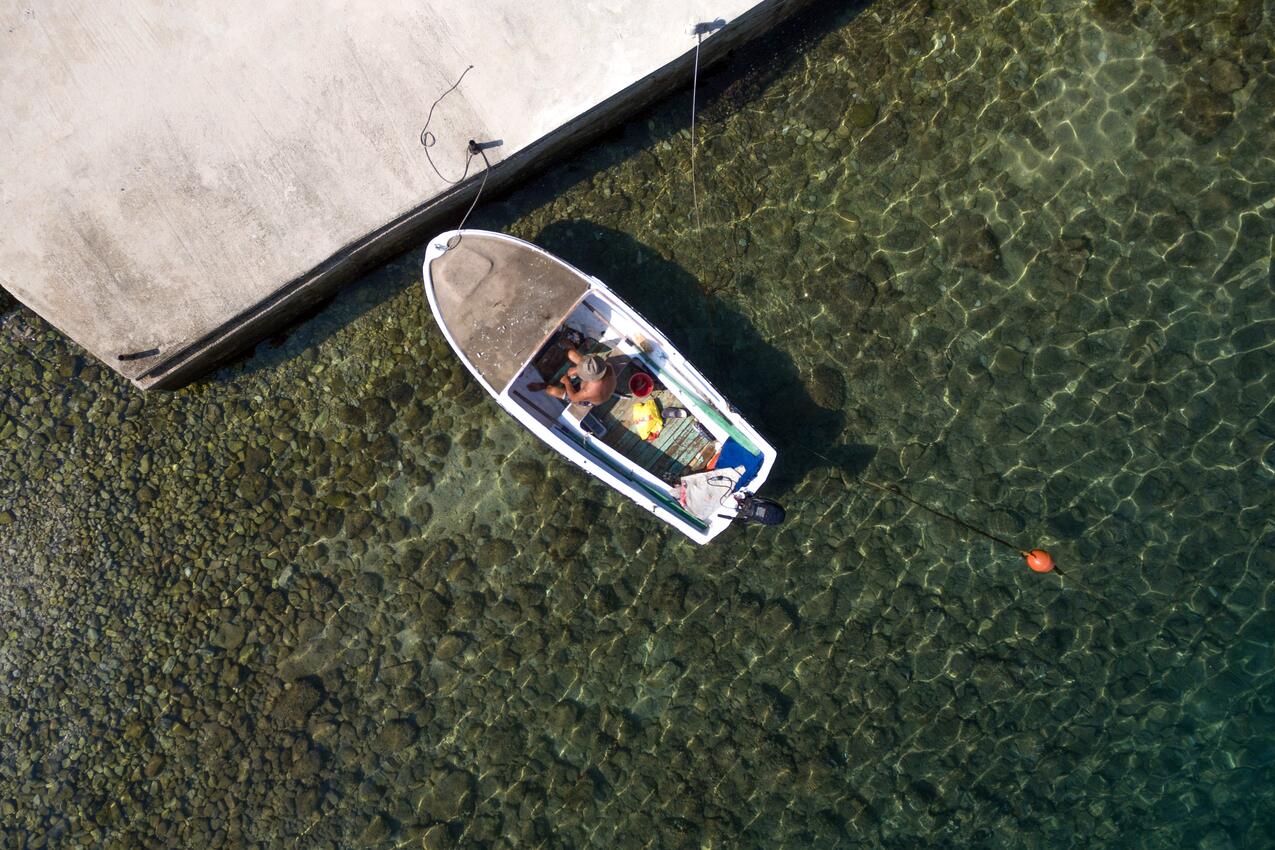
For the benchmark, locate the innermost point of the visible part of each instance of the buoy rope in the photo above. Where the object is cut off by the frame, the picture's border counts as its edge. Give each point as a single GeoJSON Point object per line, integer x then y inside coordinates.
{"type": "Point", "coordinates": [428, 140]}
{"type": "Point", "coordinates": [699, 224]}
{"type": "Point", "coordinates": [1029, 555]}
{"type": "Point", "coordinates": [885, 488]}
{"type": "Point", "coordinates": [1024, 552]}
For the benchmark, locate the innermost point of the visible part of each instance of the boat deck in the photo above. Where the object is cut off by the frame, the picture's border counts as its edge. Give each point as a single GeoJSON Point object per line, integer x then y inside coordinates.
{"type": "Point", "coordinates": [679, 449]}
{"type": "Point", "coordinates": [498, 300]}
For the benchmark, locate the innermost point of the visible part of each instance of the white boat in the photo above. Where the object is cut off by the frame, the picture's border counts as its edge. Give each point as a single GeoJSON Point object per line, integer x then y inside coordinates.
{"type": "Point", "coordinates": [510, 308]}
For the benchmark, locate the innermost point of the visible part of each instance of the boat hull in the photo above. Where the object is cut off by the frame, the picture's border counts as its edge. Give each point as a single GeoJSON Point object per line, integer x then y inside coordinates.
{"type": "Point", "coordinates": [552, 291]}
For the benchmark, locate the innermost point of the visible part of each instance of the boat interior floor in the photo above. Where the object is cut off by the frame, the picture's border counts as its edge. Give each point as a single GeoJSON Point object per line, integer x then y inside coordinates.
{"type": "Point", "coordinates": [681, 447]}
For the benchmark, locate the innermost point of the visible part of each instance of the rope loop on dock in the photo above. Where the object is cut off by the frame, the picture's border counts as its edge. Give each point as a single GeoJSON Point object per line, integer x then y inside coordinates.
{"type": "Point", "coordinates": [428, 139]}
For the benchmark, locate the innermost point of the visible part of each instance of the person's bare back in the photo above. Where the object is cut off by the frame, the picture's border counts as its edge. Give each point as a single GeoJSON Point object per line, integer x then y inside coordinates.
{"type": "Point", "coordinates": [597, 380]}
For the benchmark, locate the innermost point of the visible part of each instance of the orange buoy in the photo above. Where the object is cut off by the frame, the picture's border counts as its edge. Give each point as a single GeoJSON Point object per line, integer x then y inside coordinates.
{"type": "Point", "coordinates": [1039, 560]}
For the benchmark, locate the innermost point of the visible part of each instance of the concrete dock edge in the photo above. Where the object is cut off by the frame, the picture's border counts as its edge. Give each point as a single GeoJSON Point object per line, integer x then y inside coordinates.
{"type": "Point", "coordinates": [234, 182]}
{"type": "Point", "coordinates": [302, 295]}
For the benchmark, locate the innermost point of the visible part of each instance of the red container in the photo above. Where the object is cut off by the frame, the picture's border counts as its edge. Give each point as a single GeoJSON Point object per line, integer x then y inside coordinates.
{"type": "Point", "coordinates": [641, 384]}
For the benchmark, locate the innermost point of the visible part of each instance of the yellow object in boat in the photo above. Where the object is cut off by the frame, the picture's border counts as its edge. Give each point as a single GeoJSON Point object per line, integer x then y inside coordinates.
{"type": "Point", "coordinates": [646, 420]}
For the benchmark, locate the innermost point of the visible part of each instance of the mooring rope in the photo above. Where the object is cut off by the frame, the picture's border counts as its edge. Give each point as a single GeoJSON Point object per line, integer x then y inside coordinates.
{"type": "Point", "coordinates": [699, 31]}
{"type": "Point", "coordinates": [699, 39]}
{"type": "Point", "coordinates": [481, 186]}
{"type": "Point", "coordinates": [428, 140]}
{"type": "Point", "coordinates": [699, 224]}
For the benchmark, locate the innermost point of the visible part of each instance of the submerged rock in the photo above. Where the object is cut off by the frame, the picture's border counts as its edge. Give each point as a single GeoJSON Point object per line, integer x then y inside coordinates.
{"type": "Point", "coordinates": [229, 636]}
{"type": "Point", "coordinates": [378, 829]}
{"type": "Point", "coordinates": [449, 796]}
{"type": "Point", "coordinates": [883, 141]}
{"type": "Point", "coordinates": [862, 115]}
{"type": "Point", "coordinates": [1202, 111]}
{"type": "Point", "coordinates": [828, 388]}
{"type": "Point", "coordinates": [437, 837]}
{"type": "Point", "coordinates": [1225, 76]}
{"type": "Point", "coordinates": [1114, 12]}
{"type": "Point", "coordinates": [1069, 258]}
{"type": "Point", "coordinates": [449, 646]}
{"type": "Point", "coordinates": [293, 706]}
{"type": "Point", "coordinates": [969, 243]}
{"type": "Point", "coordinates": [396, 736]}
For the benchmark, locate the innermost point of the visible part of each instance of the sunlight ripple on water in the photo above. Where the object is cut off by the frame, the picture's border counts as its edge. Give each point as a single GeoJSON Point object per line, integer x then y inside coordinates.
{"type": "Point", "coordinates": [1014, 258]}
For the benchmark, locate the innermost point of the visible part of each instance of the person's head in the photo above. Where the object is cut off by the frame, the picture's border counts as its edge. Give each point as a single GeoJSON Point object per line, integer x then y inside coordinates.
{"type": "Point", "coordinates": [592, 368]}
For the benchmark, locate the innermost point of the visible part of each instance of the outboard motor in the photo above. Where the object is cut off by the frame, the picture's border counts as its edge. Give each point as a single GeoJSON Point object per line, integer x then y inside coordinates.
{"type": "Point", "coordinates": [760, 511]}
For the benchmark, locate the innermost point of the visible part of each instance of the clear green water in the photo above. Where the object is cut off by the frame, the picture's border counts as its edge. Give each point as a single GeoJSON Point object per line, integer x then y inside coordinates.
{"type": "Point", "coordinates": [1013, 257]}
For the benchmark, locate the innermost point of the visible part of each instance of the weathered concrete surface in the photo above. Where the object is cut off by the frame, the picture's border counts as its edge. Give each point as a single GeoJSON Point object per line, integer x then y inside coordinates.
{"type": "Point", "coordinates": [179, 179]}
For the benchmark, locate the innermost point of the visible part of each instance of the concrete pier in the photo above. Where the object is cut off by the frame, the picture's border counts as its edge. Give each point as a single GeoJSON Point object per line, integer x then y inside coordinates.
{"type": "Point", "coordinates": [178, 180]}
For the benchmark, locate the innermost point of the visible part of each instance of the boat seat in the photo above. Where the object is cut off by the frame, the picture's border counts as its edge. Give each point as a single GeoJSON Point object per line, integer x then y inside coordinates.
{"type": "Point", "coordinates": [589, 421]}
{"type": "Point", "coordinates": [552, 361]}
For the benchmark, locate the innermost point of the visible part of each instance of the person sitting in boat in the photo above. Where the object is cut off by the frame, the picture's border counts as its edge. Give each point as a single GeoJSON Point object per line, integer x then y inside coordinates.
{"type": "Point", "coordinates": [597, 380]}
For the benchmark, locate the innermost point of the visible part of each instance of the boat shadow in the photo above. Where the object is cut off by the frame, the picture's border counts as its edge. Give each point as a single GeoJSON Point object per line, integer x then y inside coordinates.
{"type": "Point", "coordinates": [763, 381]}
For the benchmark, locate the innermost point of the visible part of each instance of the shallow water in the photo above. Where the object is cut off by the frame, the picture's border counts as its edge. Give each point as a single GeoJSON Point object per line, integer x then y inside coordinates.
{"type": "Point", "coordinates": [1014, 258]}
